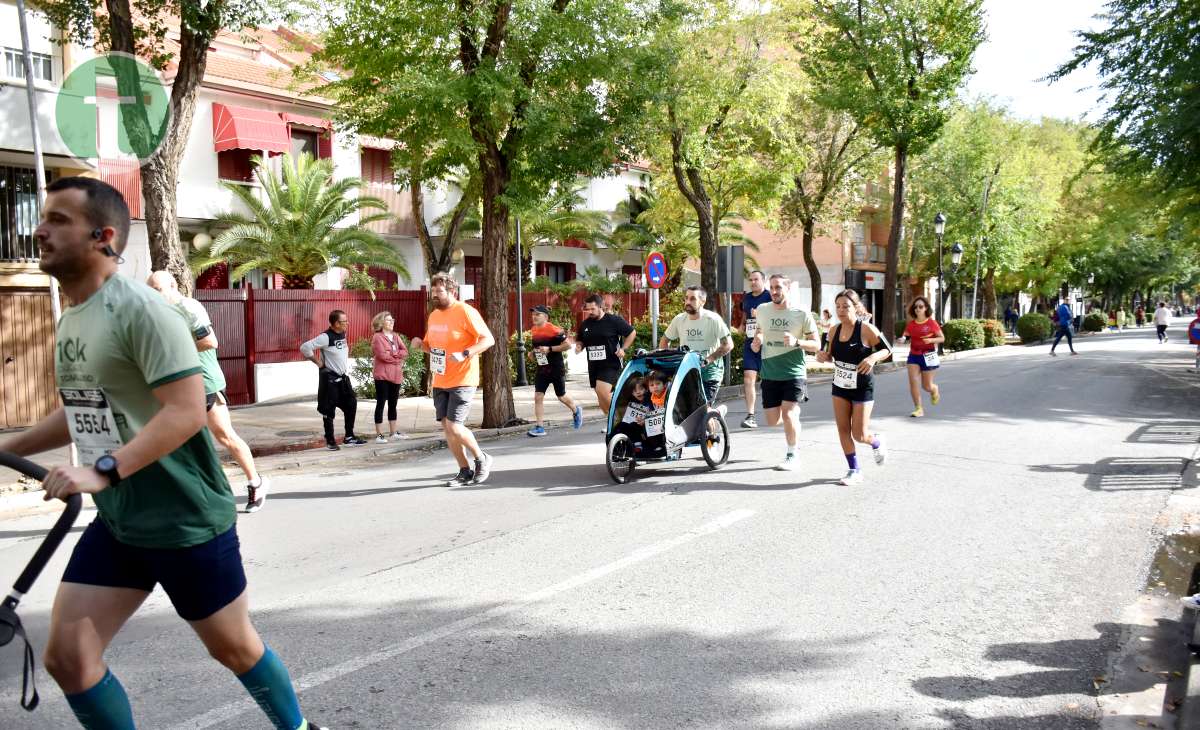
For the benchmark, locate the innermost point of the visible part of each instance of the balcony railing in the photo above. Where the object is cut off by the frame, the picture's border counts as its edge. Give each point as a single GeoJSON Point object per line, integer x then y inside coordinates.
{"type": "Point", "coordinates": [19, 214]}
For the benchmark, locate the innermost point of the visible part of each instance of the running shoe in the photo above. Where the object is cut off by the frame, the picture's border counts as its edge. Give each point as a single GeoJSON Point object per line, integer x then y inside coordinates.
{"type": "Point", "coordinates": [854, 476]}
{"type": "Point", "coordinates": [749, 422]}
{"type": "Point", "coordinates": [881, 452]}
{"type": "Point", "coordinates": [381, 439]}
{"type": "Point", "coordinates": [917, 413]}
{"type": "Point", "coordinates": [464, 477]}
{"type": "Point", "coordinates": [1191, 601]}
{"type": "Point", "coordinates": [483, 468]}
{"type": "Point", "coordinates": [537, 431]}
{"type": "Point", "coordinates": [1074, 353]}
{"type": "Point", "coordinates": [936, 395]}
{"type": "Point", "coordinates": [353, 441]}
{"type": "Point", "coordinates": [256, 496]}
{"type": "Point", "coordinates": [1053, 353]}
{"type": "Point", "coordinates": [789, 463]}
{"type": "Point", "coordinates": [332, 446]}
{"type": "Point", "coordinates": [577, 418]}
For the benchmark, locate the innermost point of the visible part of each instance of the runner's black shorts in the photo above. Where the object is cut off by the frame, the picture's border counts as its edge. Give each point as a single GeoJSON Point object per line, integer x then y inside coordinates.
{"type": "Point", "coordinates": [210, 399]}
{"type": "Point", "coordinates": [608, 375]}
{"type": "Point", "coordinates": [543, 381]}
{"type": "Point", "coordinates": [775, 392]}
{"type": "Point", "coordinates": [200, 580]}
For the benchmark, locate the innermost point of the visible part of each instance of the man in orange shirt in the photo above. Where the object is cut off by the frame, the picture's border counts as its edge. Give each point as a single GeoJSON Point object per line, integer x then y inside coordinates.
{"type": "Point", "coordinates": [455, 337]}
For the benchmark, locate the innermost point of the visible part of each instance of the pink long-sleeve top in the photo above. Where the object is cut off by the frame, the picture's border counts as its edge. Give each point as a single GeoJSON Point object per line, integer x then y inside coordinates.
{"type": "Point", "coordinates": [389, 357]}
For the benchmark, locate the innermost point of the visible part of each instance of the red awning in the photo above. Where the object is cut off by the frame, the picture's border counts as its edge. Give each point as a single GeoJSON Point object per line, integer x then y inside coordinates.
{"type": "Point", "coordinates": [236, 127]}
{"type": "Point", "coordinates": [314, 122]}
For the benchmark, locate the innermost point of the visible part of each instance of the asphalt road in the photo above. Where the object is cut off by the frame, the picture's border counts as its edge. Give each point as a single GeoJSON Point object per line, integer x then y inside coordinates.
{"type": "Point", "coordinates": [977, 580]}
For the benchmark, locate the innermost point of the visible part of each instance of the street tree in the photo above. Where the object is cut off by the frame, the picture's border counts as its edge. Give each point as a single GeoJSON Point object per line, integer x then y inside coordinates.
{"type": "Point", "coordinates": [141, 29]}
{"type": "Point", "coordinates": [830, 189]}
{"type": "Point", "coordinates": [524, 95]}
{"type": "Point", "coordinates": [1148, 65]}
{"type": "Point", "coordinates": [895, 66]}
{"type": "Point", "coordinates": [720, 125]}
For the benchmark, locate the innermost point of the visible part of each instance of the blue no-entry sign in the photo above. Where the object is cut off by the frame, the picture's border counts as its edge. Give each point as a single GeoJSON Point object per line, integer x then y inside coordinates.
{"type": "Point", "coordinates": [656, 270]}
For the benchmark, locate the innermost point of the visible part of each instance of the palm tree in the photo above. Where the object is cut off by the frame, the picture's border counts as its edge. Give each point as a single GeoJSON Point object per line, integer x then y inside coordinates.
{"type": "Point", "coordinates": [295, 232]}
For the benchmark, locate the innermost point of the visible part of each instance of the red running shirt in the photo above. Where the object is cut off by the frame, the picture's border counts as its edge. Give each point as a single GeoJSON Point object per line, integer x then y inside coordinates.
{"type": "Point", "coordinates": [915, 330]}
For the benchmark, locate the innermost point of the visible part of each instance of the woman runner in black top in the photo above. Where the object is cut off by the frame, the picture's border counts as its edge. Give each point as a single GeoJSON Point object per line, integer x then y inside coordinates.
{"type": "Point", "coordinates": [854, 347]}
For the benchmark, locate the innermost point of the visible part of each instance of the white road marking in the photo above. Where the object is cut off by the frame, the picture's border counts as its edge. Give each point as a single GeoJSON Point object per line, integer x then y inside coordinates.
{"type": "Point", "coordinates": [337, 671]}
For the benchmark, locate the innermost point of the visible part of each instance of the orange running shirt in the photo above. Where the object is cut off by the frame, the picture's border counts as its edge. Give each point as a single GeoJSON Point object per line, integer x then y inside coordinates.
{"type": "Point", "coordinates": [452, 330]}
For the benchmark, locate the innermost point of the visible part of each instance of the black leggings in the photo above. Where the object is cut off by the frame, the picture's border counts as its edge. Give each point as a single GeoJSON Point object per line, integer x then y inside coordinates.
{"type": "Point", "coordinates": [1063, 332]}
{"type": "Point", "coordinates": [1162, 332]}
{"type": "Point", "coordinates": [386, 392]}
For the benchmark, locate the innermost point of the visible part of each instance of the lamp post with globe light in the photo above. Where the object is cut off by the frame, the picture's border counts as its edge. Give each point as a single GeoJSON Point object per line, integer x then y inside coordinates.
{"type": "Point", "coordinates": [939, 229]}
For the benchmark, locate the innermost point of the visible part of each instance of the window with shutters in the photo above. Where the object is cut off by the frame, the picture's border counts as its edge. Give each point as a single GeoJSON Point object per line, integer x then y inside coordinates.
{"type": "Point", "coordinates": [235, 165]}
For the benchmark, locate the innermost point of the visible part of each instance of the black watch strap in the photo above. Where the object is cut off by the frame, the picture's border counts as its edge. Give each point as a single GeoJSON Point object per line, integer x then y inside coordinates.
{"type": "Point", "coordinates": [112, 473]}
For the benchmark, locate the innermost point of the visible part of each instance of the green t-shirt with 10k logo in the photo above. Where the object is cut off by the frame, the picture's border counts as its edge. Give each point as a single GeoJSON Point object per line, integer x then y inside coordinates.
{"type": "Point", "coordinates": [112, 351]}
{"type": "Point", "coordinates": [702, 336]}
{"type": "Point", "coordinates": [779, 360]}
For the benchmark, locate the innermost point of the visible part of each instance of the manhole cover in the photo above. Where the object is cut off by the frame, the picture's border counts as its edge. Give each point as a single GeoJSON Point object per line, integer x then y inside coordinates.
{"type": "Point", "coordinates": [295, 434]}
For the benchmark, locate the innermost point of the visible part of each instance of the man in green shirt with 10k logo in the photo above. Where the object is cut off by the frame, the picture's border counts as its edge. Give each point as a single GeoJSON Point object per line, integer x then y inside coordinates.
{"type": "Point", "coordinates": [784, 335]}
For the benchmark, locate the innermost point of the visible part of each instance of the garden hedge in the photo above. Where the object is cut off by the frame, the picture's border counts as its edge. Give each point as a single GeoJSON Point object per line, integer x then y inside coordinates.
{"type": "Point", "coordinates": [963, 334]}
{"type": "Point", "coordinates": [1033, 327]}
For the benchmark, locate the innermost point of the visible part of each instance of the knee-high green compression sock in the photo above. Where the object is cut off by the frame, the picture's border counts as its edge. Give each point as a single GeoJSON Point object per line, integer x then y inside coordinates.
{"type": "Point", "coordinates": [271, 687]}
{"type": "Point", "coordinates": [105, 706]}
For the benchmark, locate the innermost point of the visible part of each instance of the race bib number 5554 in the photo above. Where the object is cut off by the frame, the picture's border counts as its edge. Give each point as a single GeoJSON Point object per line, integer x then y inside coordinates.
{"type": "Point", "coordinates": [92, 425]}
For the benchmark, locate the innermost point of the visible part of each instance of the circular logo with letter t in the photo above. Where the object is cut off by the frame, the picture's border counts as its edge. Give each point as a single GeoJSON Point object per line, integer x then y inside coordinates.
{"type": "Point", "coordinates": [142, 103]}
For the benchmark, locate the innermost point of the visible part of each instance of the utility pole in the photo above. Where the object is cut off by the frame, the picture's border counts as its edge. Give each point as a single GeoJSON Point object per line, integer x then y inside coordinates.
{"type": "Point", "coordinates": [987, 190]}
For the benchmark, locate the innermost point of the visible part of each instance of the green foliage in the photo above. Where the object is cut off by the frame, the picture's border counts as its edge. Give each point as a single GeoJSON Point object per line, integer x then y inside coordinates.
{"type": "Point", "coordinates": [1147, 63]}
{"type": "Point", "coordinates": [1033, 327]}
{"type": "Point", "coordinates": [1130, 320]}
{"type": "Point", "coordinates": [363, 364]}
{"type": "Point", "coordinates": [360, 280]}
{"type": "Point", "coordinates": [894, 64]}
{"type": "Point", "coordinates": [1094, 322]}
{"type": "Point", "coordinates": [296, 232]}
{"type": "Point", "coordinates": [963, 334]}
{"type": "Point", "coordinates": [993, 333]}
{"type": "Point", "coordinates": [901, 324]}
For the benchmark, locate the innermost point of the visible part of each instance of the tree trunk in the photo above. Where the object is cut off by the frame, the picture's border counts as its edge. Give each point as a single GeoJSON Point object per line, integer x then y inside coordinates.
{"type": "Point", "coordinates": [814, 273]}
{"type": "Point", "coordinates": [297, 282]}
{"type": "Point", "coordinates": [498, 407]}
{"type": "Point", "coordinates": [160, 171]}
{"type": "Point", "coordinates": [989, 294]}
{"type": "Point", "coordinates": [886, 319]}
{"type": "Point", "coordinates": [160, 181]}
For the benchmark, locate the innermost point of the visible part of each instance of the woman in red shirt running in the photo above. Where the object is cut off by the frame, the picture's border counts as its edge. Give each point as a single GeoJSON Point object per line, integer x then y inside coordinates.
{"type": "Point", "coordinates": [924, 334]}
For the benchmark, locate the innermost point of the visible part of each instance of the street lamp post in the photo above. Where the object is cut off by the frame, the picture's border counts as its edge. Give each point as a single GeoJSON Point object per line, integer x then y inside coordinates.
{"type": "Point", "coordinates": [956, 254]}
{"type": "Point", "coordinates": [939, 229]}
{"type": "Point", "coordinates": [522, 378]}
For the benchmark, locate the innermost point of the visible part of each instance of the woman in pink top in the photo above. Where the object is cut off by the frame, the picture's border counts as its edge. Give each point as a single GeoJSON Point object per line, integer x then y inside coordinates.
{"type": "Point", "coordinates": [389, 352]}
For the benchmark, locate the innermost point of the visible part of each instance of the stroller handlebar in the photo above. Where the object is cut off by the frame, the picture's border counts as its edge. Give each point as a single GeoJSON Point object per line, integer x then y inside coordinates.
{"type": "Point", "coordinates": [50, 543]}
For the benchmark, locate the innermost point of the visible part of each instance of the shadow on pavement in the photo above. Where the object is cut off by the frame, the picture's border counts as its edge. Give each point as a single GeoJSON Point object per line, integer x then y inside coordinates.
{"type": "Point", "coordinates": [516, 669]}
{"type": "Point", "coordinates": [1166, 432]}
{"type": "Point", "coordinates": [1076, 666]}
{"type": "Point", "coordinates": [1127, 474]}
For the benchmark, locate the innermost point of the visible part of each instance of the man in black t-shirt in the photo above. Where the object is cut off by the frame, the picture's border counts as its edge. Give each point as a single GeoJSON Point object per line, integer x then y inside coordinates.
{"type": "Point", "coordinates": [549, 344]}
{"type": "Point", "coordinates": [604, 338]}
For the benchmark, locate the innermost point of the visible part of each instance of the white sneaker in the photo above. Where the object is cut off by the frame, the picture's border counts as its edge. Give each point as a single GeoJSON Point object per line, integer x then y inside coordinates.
{"type": "Point", "coordinates": [881, 452]}
{"type": "Point", "coordinates": [854, 476]}
{"type": "Point", "coordinates": [381, 439]}
{"type": "Point", "coordinates": [1192, 602]}
{"type": "Point", "coordinates": [789, 463]}
{"type": "Point", "coordinates": [256, 496]}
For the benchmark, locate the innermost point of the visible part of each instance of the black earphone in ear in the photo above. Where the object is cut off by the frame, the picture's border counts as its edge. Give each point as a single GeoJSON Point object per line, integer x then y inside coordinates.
{"type": "Point", "coordinates": [98, 233]}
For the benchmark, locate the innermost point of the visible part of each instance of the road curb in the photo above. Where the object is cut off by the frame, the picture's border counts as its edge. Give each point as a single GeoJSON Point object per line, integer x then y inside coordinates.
{"type": "Point", "coordinates": [1189, 714]}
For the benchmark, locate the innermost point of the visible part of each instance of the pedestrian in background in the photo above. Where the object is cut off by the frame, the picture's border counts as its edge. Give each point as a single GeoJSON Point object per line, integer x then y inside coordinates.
{"type": "Point", "coordinates": [389, 353]}
{"type": "Point", "coordinates": [330, 352]}
{"type": "Point", "coordinates": [1162, 318]}
{"type": "Point", "coordinates": [823, 326]}
{"type": "Point", "coordinates": [1064, 327]}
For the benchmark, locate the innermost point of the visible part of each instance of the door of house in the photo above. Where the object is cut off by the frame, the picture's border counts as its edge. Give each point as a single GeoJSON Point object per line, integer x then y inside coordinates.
{"type": "Point", "coordinates": [27, 390]}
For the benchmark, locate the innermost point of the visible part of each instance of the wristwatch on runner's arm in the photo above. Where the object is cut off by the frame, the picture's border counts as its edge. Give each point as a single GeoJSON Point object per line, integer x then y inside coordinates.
{"type": "Point", "coordinates": [106, 466]}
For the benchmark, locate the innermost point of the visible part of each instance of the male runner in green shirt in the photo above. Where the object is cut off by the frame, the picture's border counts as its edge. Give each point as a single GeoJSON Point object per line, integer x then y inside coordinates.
{"type": "Point", "coordinates": [219, 423]}
{"type": "Point", "coordinates": [133, 403]}
{"type": "Point", "coordinates": [784, 334]}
